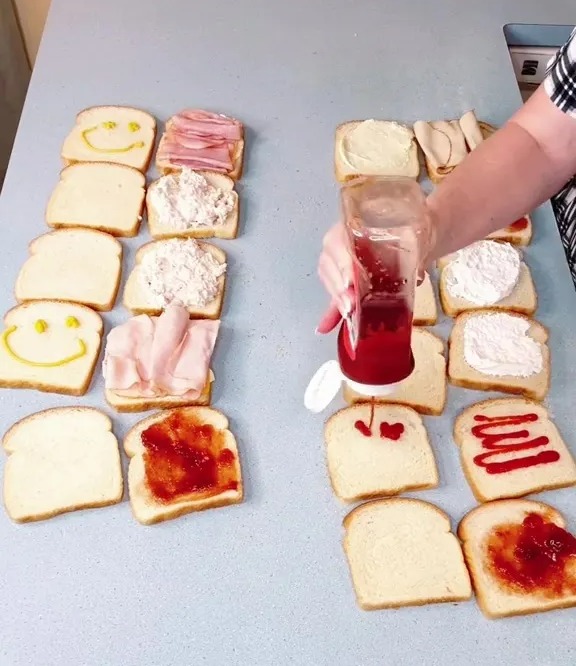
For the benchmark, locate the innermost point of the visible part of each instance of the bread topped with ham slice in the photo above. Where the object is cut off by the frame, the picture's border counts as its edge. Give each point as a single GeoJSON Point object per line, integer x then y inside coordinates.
{"type": "Point", "coordinates": [202, 140]}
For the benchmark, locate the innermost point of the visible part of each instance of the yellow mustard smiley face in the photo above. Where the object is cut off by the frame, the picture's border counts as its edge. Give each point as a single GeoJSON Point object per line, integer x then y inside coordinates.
{"type": "Point", "coordinates": [101, 138]}
{"type": "Point", "coordinates": [42, 327]}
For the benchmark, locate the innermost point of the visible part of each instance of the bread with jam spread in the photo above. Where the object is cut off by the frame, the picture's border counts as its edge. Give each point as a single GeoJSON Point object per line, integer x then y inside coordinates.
{"type": "Point", "coordinates": [376, 450]}
{"type": "Point", "coordinates": [517, 233]}
{"type": "Point", "coordinates": [520, 557]}
{"type": "Point", "coordinates": [509, 447]}
{"type": "Point", "coordinates": [425, 389]}
{"type": "Point", "coordinates": [401, 552]}
{"type": "Point", "coordinates": [182, 460]}
{"type": "Point", "coordinates": [61, 460]}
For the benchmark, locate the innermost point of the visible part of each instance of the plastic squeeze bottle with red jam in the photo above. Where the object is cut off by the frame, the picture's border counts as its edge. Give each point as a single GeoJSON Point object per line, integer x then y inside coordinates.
{"type": "Point", "coordinates": [387, 228]}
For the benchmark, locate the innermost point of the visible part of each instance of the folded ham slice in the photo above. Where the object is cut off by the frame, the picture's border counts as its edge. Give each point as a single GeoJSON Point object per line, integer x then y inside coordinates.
{"type": "Point", "coordinates": [160, 356]}
{"type": "Point", "coordinates": [200, 140]}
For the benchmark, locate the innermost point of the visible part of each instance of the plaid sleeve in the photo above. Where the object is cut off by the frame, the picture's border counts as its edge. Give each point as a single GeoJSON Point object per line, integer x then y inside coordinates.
{"type": "Point", "coordinates": [560, 81]}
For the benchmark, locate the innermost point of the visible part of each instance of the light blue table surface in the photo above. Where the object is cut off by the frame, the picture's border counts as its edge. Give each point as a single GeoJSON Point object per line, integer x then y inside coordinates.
{"type": "Point", "coordinates": [265, 582]}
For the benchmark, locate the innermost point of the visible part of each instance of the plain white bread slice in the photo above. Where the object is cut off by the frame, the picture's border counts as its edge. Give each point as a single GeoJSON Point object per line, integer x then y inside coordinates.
{"type": "Point", "coordinates": [123, 403]}
{"type": "Point", "coordinates": [228, 230]}
{"type": "Point", "coordinates": [509, 234]}
{"type": "Point", "coordinates": [61, 460]}
{"type": "Point", "coordinates": [522, 299]}
{"type": "Point", "coordinates": [425, 389]}
{"type": "Point", "coordinates": [99, 195]}
{"type": "Point", "coordinates": [462, 374]}
{"type": "Point", "coordinates": [50, 346]}
{"type": "Point", "coordinates": [401, 552]}
{"type": "Point", "coordinates": [425, 310]}
{"type": "Point", "coordinates": [495, 598]}
{"type": "Point", "coordinates": [146, 508]}
{"type": "Point", "coordinates": [77, 265]}
{"type": "Point", "coordinates": [119, 134]}
{"type": "Point", "coordinates": [386, 166]}
{"type": "Point", "coordinates": [487, 480]}
{"type": "Point", "coordinates": [365, 467]}
{"type": "Point", "coordinates": [140, 301]}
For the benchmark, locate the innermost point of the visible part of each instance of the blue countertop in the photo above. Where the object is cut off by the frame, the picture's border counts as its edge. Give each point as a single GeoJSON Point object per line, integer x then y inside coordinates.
{"type": "Point", "coordinates": [265, 582]}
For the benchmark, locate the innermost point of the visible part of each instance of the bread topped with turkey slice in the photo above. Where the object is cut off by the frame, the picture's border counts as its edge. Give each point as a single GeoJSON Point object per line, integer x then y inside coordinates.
{"type": "Point", "coordinates": [443, 144]}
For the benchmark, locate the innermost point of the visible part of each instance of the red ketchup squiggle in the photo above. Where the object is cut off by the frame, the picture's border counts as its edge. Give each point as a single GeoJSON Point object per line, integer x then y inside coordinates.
{"type": "Point", "coordinates": [391, 431]}
{"type": "Point", "coordinates": [493, 444]}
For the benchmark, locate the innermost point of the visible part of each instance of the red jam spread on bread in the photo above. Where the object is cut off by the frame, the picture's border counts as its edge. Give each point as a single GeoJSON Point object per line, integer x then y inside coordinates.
{"type": "Point", "coordinates": [387, 430]}
{"type": "Point", "coordinates": [498, 439]}
{"type": "Point", "coordinates": [184, 457]}
{"type": "Point", "coordinates": [535, 556]}
{"type": "Point", "coordinates": [519, 225]}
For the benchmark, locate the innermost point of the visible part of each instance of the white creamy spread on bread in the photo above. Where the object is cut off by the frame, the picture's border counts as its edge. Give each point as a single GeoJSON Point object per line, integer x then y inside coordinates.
{"type": "Point", "coordinates": [483, 273]}
{"type": "Point", "coordinates": [374, 146]}
{"type": "Point", "coordinates": [180, 272]}
{"type": "Point", "coordinates": [186, 200]}
{"type": "Point", "coordinates": [499, 344]}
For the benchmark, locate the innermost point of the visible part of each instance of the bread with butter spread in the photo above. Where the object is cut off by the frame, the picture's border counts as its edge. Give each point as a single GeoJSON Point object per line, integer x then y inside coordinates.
{"type": "Point", "coordinates": [509, 351]}
{"type": "Point", "coordinates": [375, 450]}
{"type": "Point", "coordinates": [99, 195]}
{"type": "Point", "coordinates": [401, 552]}
{"type": "Point", "coordinates": [509, 448]}
{"type": "Point", "coordinates": [510, 578]}
{"type": "Point", "coordinates": [182, 460]}
{"type": "Point", "coordinates": [61, 460]}
{"type": "Point", "coordinates": [76, 265]}
{"type": "Point", "coordinates": [119, 134]}
{"type": "Point", "coordinates": [375, 148]}
{"type": "Point", "coordinates": [425, 389]}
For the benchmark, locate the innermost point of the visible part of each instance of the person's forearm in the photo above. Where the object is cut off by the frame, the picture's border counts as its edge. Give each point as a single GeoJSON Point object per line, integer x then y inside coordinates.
{"type": "Point", "coordinates": [503, 179]}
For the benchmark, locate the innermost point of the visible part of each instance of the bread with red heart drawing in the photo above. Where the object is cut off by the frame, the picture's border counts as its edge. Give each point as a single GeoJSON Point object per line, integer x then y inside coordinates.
{"type": "Point", "coordinates": [376, 450]}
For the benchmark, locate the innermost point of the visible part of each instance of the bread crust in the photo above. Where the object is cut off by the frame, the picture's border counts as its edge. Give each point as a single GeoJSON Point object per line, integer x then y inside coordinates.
{"type": "Point", "coordinates": [147, 404]}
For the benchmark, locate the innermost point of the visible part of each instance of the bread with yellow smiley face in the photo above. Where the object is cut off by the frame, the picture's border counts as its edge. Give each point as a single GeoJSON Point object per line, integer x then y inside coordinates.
{"type": "Point", "coordinates": [51, 346]}
{"type": "Point", "coordinates": [118, 134]}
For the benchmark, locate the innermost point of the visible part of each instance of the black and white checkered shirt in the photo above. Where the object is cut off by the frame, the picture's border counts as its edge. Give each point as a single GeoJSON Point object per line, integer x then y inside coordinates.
{"type": "Point", "coordinates": [560, 85]}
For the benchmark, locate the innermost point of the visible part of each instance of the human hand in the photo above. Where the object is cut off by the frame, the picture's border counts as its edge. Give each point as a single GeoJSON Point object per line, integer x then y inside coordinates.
{"type": "Point", "coordinates": [336, 273]}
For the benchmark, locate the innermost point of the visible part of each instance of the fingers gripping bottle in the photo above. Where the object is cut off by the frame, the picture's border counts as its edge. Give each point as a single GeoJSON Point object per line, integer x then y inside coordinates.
{"type": "Point", "coordinates": [388, 232]}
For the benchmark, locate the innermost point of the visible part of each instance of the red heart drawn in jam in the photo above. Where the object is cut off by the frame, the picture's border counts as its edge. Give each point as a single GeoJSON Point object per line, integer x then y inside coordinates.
{"type": "Point", "coordinates": [391, 430]}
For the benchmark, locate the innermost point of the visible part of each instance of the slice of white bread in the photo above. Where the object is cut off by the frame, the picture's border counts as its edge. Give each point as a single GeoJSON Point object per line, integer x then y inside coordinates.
{"type": "Point", "coordinates": [462, 374]}
{"type": "Point", "coordinates": [99, 195]}
{"type": "Point", "coordinates": [381, 143]}
{"type": "Point", "coordinates": [401, 552]}
{"type": "Point", "coordinates": [141, 301]}
{"type": "Point", "coordinates": [498, 598]}
{"type": "Point", "coordinates": [76, 265]}
{"type": "Point", "coordinates": [487, 449]}
{"type": "Point", "coordinates": [119, 134]}
{"type": "Point", "coordinates": [147, 508]}
{"type": "Point", "coordinates": [228, 230]}
{"type": "Point", "coordinates": [50, 346]}
{"type": "Point", "coordinates": [425, 389]}
{"type": "Point", "coordinates": [443, 145]}
{"type": "Point", "coordinates": [425, 310]}
{"type": "Point", "coordinates": [516, 236]}
{"type": "Point", "coordinates": [522, 299]}
{"type": "Point", "coordinates": [124, 404]}
{"type": "Point", "coordinates": [61, 460]}
{"type": "Point", "coordinates": [389, 454]}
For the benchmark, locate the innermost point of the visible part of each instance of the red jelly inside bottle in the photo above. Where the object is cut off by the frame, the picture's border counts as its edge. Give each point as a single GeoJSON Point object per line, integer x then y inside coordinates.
{"type": "Point", "coordinates": [383, 354]}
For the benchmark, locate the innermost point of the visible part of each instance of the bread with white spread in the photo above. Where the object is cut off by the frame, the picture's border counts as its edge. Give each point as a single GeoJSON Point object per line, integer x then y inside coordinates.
{"type": "Point", "coordinates": [494, 350]}
{"type": "Point", "coordinates": [61, 460]}
{"type": "Point", "coordinates": [486, 274]}
{"type": "Point", "coordinates": [443, 144]}
{"type": "Point", "coordinates": [375, 148]}
{"type": "Point", "coordinates": [204, 473]}
{"type": "Point", "coordinates": [510, 448]}
{"type": "Point", "coordinates": [177, 270]}
{"type": "Point", "coordinates": [375, 450]}
{"type": "Point", "coordinates": [515, 581]}
{"type": "Point", "coordinates": [99, 195]}
{"type": "Point", "coordinates": [119, 134]}
{"type": "Point", "coordinates": [425, 309]}
{"type": "Point", "coordinates": [50, 346]}
{"type": "Point", "coordinates": [425, 389]}
{"type": "Point", "coordinates": [192, 204]}
{"type": "Point", "coordinates": [401, 552]}
{"type": "Point", "coordinates": [76, 265]}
